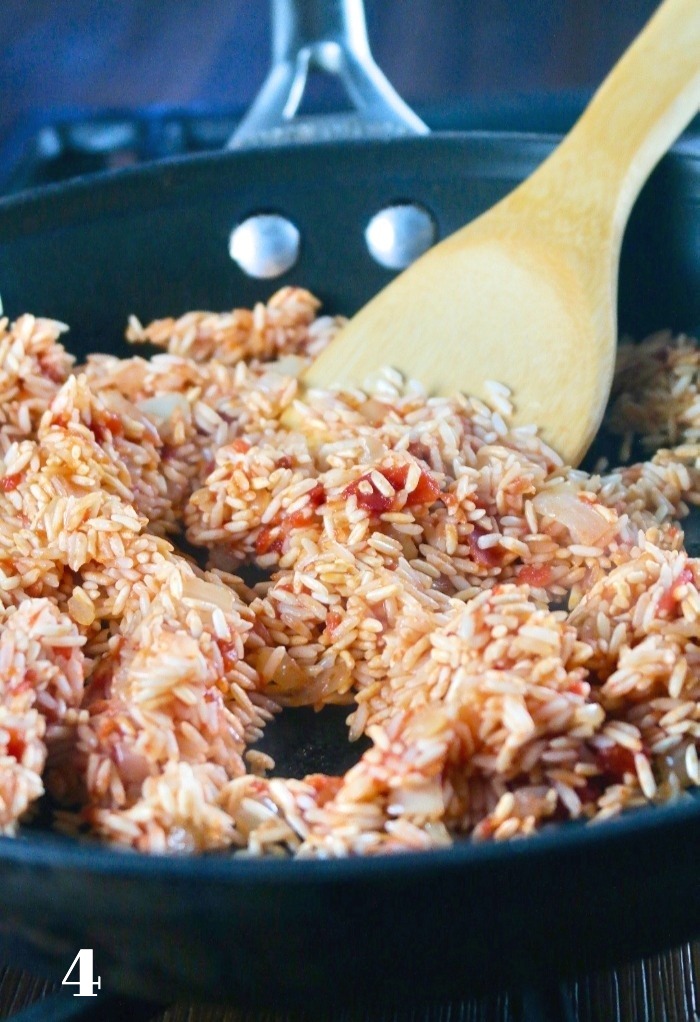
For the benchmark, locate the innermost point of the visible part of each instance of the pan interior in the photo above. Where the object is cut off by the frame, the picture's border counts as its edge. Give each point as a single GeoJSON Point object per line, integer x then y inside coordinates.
{"type": "Point", "coordinates": [155, 242]}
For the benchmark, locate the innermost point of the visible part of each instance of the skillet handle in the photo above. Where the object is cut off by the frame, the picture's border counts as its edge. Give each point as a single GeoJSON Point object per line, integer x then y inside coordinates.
{"type": "Point", "coordinates": [328, 36]}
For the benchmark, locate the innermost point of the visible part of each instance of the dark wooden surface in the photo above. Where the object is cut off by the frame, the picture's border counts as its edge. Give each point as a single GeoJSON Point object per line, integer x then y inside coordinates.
{"type": "Point", "coordinates": [60, 54]}
{"type": "Point", "coordinates": [663, 987]}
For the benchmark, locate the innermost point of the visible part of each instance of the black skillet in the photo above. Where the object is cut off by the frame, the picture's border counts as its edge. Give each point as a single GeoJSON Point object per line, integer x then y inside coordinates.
{"type": "Point", "coordinates": [155, 241]}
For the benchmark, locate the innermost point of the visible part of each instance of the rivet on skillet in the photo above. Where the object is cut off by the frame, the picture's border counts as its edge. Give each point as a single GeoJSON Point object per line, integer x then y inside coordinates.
{"type": "Point", "coordinates": [265, 245]}
{"type": "Point", "coordinates": [398, 234]}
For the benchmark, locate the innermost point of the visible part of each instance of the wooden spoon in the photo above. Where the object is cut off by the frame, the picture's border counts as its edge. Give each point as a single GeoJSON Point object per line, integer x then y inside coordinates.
{"type": "Point", "coordinates": [527, 294]}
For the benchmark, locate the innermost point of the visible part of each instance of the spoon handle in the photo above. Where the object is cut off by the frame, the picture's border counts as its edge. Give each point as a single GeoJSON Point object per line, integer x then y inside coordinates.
{"type": "Point", "coordinates": [637, 113]}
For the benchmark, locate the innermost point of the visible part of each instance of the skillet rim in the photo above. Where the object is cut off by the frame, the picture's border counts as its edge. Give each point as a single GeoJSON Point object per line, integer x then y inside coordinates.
{"type": "Point", "coordinates": [687, 147]}
{"type": "Point", "coordinates": [50, 849]}
{"type": "Point", "coordinates": [94, 180]}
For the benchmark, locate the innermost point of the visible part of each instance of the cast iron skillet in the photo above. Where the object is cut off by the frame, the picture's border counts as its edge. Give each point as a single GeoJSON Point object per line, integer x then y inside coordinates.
{"type": "Point", "coordinates": [154, 241]}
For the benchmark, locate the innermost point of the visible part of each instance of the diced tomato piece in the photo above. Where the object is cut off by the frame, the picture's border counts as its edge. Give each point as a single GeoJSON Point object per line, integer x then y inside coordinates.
{"type": "Point", "coordinates": [229, 653]}
{"type": "Point", "coordinates": [294, 521]}
{"type": "Point", "coordinates": [368, 496]}
{"type": "Point", "coordinates": [100, 685]}
{"type": "Point", "coordinates": [491, 557]}
{"type": "Point", "coordinates": [616, 761]}
{"type": "Point", "coordinates": [269, 539]}
{"type": "Point", "coordinates": [107, 727]}
{"type": "Point", "coordinates": [325, 786]}
{"type": "Point", "coordinates": [111, 424]}
{"type": "Point", "coordinates": [272, 537]}
{"type": "Point", "coordinates": [426, 492]}
{"type": "Point", "coordinates": [99, 706]}
{"type": "Point", "coordinates": [332, 621]}
{"type": "Point", "coordinates": [669, 601]}
{"type": "Point", "coordinates": [317, 496]}
{"type": "Point", "coordinates": [376, 502]}
{"type": "Point", "coordinates": [396, 475]}
{"type": "Point", "coordinates": [15, 745]}
{"type": "Point", "coordinates": [11, 482]}
{"type": "Point", "coordinates": [535, 574]}
{"type": "Point", "coordinates": [579, 688]}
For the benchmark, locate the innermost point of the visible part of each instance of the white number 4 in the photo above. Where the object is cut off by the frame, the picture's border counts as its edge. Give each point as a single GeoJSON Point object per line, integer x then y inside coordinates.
{"type": "Point", "coordinates": [85, 983]}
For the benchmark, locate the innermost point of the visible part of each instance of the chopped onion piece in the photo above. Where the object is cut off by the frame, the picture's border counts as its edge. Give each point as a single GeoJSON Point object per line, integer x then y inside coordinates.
{"type": "Point", "coordinates": [163, 406]}
{"type": "Point", "coordinates": [424, 801]}
{"type": "Point", "coordinates": [289, 365]}
{"type": "Point", "coordinates": [374, 411]}
{"type": "Point", "coordinates": [374, 448]}
{"type": "Point", "coordinates": [562, 502]}
{"type": "Point", "coordinates": [438, 833]}
{"type": "Point", "coordinates": [206, 592]}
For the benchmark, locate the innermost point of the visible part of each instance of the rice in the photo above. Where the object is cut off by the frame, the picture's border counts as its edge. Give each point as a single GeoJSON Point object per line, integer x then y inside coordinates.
{"type": "Point", "coordinates": [515, 640]}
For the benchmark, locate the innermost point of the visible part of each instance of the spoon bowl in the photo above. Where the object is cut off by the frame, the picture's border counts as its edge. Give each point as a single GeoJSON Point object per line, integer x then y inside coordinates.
{"type": "Point", "coordinates": [526, 295]}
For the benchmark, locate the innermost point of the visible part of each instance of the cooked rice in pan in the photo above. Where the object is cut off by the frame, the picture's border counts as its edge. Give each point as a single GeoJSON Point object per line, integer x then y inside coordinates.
{"type": "Point", "coordinates": [516, 640]}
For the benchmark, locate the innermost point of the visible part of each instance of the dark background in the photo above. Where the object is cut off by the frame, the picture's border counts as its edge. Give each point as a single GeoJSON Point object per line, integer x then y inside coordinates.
{"type": "Point", "coordinates": [59, 54]}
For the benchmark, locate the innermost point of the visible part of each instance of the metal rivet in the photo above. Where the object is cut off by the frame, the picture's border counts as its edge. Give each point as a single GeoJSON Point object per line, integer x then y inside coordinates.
{"type": "Point", "coordinates": [397, 235]}
{"type": "Point", "coordinates": [265, 246]}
